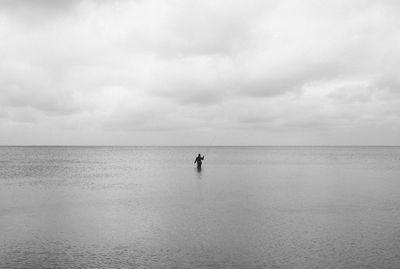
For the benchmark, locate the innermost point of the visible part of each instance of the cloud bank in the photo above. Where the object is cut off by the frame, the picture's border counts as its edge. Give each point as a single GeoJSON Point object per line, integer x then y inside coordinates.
{"type": "Point", "coordinates": [199, 72]}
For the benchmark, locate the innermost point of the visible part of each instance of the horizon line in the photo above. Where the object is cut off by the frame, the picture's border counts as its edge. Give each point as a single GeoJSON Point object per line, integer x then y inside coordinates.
{"type": "Point", "coordinates": [260, 145]}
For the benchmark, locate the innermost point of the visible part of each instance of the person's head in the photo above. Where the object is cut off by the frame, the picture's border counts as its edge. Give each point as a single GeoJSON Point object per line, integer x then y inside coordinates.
{"type": "Point", "coordinates": [199, 155]}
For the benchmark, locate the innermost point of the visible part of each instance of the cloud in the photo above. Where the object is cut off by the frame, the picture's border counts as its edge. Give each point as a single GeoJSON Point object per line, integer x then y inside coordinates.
{"type": "Point", "coordinates": [199, 66]}
{"type": "Point", "coordinates": [37, 4]}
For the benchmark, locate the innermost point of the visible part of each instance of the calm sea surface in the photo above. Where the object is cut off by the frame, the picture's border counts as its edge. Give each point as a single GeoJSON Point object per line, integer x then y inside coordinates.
{"type": "Point", "coordinates": [249, 207]}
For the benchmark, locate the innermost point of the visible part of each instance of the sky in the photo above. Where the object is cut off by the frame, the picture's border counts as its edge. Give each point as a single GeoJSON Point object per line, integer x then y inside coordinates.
{"type": "Point", "coordinates": [199, 72]}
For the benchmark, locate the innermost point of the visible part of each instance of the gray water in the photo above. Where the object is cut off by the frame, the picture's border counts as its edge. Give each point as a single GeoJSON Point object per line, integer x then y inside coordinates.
{"type": "Point", "coordinates": [249, 207]}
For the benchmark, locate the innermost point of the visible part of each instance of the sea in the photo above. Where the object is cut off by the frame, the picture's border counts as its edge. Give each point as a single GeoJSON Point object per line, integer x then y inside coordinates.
{"type": "Point", "coordinates": [248, 207]}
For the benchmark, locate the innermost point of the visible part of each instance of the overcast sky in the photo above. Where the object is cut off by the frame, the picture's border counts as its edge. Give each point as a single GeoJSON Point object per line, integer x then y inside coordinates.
{"type": "Point", "coordinates": [204, 72]}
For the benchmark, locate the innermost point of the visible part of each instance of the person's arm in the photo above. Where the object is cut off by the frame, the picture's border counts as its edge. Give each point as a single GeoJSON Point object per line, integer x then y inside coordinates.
{"type": "Point", "coordinates": [202, 158]}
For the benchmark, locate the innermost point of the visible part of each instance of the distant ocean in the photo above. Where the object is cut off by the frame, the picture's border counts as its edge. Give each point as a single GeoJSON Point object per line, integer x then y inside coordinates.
{"type": "Point", "coordinates": [249, 207]}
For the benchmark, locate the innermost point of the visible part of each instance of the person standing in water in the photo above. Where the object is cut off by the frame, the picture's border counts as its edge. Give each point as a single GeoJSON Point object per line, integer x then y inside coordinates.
{"type": "Point", "coordinates": [198, 160]}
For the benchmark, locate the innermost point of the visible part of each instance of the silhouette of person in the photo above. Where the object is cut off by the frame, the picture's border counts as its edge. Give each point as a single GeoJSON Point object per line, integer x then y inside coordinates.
{"type": "Point", "coordinates": [198, 160]}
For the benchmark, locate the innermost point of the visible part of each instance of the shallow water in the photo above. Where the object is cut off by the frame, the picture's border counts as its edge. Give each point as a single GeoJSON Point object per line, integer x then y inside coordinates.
{"type": "Point", "coordinates": [249, 207]}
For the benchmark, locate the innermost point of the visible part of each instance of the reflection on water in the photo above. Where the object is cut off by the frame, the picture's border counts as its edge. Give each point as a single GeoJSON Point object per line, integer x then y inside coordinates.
{"type": "Point", "coordinates": [249, 207]}
{"type": "Point", "coordinates": [198, 170]}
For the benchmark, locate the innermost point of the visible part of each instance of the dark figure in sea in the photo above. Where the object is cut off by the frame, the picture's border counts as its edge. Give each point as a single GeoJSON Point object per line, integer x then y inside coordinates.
{"type": "Point", "coordinates": [198, 160]}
